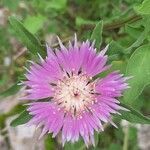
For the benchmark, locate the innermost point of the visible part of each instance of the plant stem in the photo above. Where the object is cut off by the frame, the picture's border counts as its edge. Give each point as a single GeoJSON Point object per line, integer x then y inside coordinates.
{"type": "Point", "coordinates": [116, 24]}
{"type": "Point", "coordinates": [126, 136]}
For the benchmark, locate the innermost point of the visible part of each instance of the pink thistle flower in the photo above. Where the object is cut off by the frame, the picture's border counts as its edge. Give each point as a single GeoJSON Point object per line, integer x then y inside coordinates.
{"type": "Point", "coordinates": [77, 105]}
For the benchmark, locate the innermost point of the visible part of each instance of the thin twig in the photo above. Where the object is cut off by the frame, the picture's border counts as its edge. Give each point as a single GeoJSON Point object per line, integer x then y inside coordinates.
{"type": "Point", "coordinates": [116, 24]}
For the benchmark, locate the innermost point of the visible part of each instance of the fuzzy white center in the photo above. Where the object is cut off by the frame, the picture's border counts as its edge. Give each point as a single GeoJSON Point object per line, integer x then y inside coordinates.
{"type": "Point", "coordinates": [74, 93]}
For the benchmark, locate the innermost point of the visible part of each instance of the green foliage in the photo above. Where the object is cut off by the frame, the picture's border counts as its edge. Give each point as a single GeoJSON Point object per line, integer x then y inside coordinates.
{"type": "Point", "coordinates": [96, 137]}
{"type": "Point", "coordinates": [115, 51]}
{"type": "Point", "coordinates": [34, 23]}
{"type": "Point", "coordinates": [56, 4]}
{"type": "Point", "coordinates": [26, 37]}
{"type": "Point", "coordinates": [133, 138]}
{"type": "Point", "coordinates": [134, 116]}
{"type": "Point", "coordinates": [97, 34]}
{"type": "Point", "coordinates": [138, 67]}
{"type": "Point", "coordinates": [134, 32]}
{"type": "Point", "coordinates": [11, 4]}
{"type": "Point", "coordinates": [77, 145]}
{"type": "Point", "coordinates": [10, 91]}
{"type": "Point", "coordinates": [14, 111]}
{"type": "Point", "coordinates": [114, 147]}
{"type": "Point", "coordinates": [115, 48]}
{"type": "Point", "coordinates": [143, 8]}
{"type": "Point", "coordinates": [81, 21]}
{"type": "Point", "coordinates": [142, 36]}
{"type": "Point", "coordinates": [23, 118]}
{"type": "Point", "coordinates": [49, 143]}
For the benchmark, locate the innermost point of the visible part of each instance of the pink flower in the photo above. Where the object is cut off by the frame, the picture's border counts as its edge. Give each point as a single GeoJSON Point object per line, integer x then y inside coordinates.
{"type": "Point", "coordinates": [77, 104]}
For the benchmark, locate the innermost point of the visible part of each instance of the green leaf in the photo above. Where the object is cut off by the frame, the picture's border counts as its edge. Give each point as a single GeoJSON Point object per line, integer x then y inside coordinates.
{"type": "Point", "coordinates": [49, 142]}
{"type": "Point", "coordinates": [132, 31]}
{"type": "Point", "coordinates": [139, 40]}
{"type": "Point", "coordinates": [115, 51]}
{"type": "Point", "coordinates": [11, 4]}
{"type": "Point", "coordinates": [142, 36]}
{"type": "Point", "coordinates": [75, 146]}
{"type": "Point", "coordinates": [144, 8]}
{"type": "Point", "coordinates": [138, 67]}
{"type": "Point", "coordinates": [114, 48]}
{"type": "Point", "coordinates": [23, 118]}
{"type": "Point", "coordinates": [27, 38]}
{"type": "Point", "coordinates": [133, 116]}
{"type": "Point", "coordinates": [114, 146]}
{"type": "Point", "coordinates": [34, 23]}
{"type": "Point", "coordinates": [118, 65]}
{"type": "Point", "coordinates": [10, 91]}
{"type": "Point", "coordinates": [56, 4]}
{"type": "Point", "coordinates": [97, 34]}
{"type": "Point", "coordinates": [81, 21]}
{"type": "Point", "coordinates": [96, 138]}
{"type": "Point", "coordinates": [132, 133]}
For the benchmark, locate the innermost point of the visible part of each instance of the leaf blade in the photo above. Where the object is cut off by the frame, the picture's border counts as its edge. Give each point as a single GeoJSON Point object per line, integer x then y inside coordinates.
{"type": "Point", "coordinates": [34, 23]}
{"type": "Point", "coordinates": [27, 38]}
{"type": "Point", "coordinates": [138, 67]}
{"type": "Point", "coordinates": [143, 8]}
{"type": "Point", "coordinates": [23, 118]}
{"type": "Point", "coordinates": [10, 91]}
{"type": "Point", "coordinates": [134, 116]}
{"type": "Point", "coordinates": [97, 34]}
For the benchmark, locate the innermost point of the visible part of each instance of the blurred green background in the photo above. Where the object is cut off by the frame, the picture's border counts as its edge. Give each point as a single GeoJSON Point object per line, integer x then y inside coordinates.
{"type": "Point", "coordinates": [126, 27]}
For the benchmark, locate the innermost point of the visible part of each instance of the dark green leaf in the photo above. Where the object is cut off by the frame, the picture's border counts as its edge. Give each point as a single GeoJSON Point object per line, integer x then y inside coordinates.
{"type": "Point", "coordinates": [49, 142]}
{"type": "Point", "coordinates": [134, 116]}
{"type": "Point", "coordinates": [10, 91]}
{"type": "Point", "coordinates": [27, 38]}
{"type": "Point", "coordinates": [97, 34]}
{"type": "Point", "coordinates": [23, 118]}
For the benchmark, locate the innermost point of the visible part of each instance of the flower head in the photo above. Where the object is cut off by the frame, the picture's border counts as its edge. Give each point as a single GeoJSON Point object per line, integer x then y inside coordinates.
{"type": "Point", "coordinates": [77, 104]}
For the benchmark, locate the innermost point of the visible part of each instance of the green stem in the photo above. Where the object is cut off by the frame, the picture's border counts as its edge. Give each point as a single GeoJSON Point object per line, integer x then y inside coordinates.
{"type": "Point", "coordinates": [126, 136]}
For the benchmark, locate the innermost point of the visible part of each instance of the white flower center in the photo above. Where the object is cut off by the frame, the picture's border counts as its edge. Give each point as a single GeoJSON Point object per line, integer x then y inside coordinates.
{"type": "Point", "coordinates": [75, 93]}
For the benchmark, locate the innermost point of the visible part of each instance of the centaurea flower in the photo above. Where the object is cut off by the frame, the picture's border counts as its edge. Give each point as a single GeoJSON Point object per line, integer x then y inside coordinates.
{"type": "Point", "coordinates": [77, 104]}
